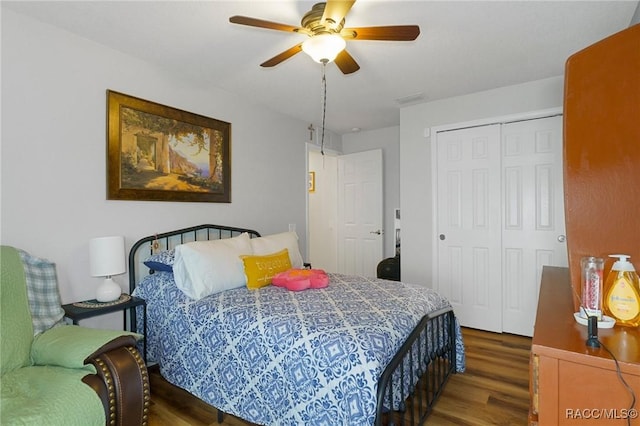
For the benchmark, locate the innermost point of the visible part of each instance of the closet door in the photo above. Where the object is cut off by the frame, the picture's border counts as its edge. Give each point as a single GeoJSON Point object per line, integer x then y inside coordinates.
{"type": "Point", "coordinates": [469, 249]}
{"type": "Point", "coordinates": [533, 232]}
{"type": "Point", "coordinates": [500, 218]}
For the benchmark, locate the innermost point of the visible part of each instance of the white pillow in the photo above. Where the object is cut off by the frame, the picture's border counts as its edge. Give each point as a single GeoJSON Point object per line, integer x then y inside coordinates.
{"type": "Point", "coordinates": [202, 268]}
{"type": "Point", "coordinates": [276, 242]}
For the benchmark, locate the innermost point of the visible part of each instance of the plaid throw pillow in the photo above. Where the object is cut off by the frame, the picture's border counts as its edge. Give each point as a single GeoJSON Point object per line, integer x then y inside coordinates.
{"type": "Point", "coordinates": [42, 292]}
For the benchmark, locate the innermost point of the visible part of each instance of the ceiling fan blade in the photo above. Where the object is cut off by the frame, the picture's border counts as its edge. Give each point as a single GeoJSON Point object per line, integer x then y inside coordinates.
{"type": "Point", "coordinates": [335, 11]}
{"type": "Point", "coordinates": [346, 63]}
{"type": "Point", "coordinates": [260, 23]}
{"type": "Point", "coordinates": [391, 33]}
{"type": "Point", "coordinates": [282, 56]}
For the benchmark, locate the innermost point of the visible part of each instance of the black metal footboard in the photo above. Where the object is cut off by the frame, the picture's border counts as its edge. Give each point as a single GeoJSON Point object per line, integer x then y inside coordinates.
{"type": "Point", "coordinates": [416, 375]}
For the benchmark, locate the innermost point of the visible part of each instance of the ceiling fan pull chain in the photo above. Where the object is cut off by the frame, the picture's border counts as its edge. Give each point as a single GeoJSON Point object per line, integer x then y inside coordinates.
{"type": "Point", "coordinates": [324, 104]}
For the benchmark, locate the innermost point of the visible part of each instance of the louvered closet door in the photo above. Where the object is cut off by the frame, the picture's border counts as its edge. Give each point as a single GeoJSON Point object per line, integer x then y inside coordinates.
{"type": "Point", "coordinates": [533, 215]}
{"type": "Point", "coordinates": [469, 224]}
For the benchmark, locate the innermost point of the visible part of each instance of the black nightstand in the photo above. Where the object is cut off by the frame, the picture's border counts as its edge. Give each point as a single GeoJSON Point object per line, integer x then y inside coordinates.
{"type": "Point", "coordinates": [77, 313]}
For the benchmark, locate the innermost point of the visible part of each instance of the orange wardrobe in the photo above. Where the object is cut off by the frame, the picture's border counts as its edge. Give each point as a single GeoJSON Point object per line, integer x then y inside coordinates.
{"type": "Point", "coordinates": [602, 151]}
{"type": "Point", "coordinates": [572, 383]}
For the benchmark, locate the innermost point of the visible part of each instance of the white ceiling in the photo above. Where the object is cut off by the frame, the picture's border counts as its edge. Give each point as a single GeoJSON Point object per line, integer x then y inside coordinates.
{"type": "Point", "coordinates": [464, 47]}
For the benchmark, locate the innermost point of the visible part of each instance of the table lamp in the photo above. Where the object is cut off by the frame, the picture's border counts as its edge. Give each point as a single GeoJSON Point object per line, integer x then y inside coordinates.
{"type": "Point", "coordinates": [106, 258]}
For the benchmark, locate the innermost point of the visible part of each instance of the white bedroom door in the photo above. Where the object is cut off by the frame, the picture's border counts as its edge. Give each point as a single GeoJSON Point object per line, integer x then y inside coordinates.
{"type": "Point", "coordinates": [360, 217]}
{"type": "Point", "coordinates": [468, 231]}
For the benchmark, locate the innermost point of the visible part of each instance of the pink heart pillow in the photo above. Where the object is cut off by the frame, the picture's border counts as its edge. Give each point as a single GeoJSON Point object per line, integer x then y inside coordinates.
{"type": "Point", "coordinates": [301, 279]}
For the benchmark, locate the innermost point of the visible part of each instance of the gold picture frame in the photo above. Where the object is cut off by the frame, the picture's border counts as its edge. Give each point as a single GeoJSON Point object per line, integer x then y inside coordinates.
{"type": "Point", "coordinates": [312, 182]}
{"type": "Point", "coordinates": [160, 153]}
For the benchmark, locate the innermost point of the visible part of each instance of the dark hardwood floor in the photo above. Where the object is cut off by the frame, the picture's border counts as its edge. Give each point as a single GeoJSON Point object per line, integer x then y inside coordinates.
{"type": "Point", "coordinates": [493, 391]}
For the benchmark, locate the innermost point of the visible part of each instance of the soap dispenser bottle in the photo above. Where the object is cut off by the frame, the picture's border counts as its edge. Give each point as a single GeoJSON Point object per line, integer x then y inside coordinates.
{"type": "Point", "coordinates": [622, 293]}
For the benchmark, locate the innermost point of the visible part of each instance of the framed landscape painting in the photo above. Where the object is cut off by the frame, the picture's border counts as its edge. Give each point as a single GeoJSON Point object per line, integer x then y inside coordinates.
{"type": "Point", "coordinates": [160, 153]}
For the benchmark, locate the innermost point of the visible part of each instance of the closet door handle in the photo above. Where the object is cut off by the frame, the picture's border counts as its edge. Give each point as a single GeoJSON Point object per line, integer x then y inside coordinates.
{"type": "Point", "coordinates": [378, 232]}
{"type": "Point", "coordinates": [562, 238]}
{"type": "Point", "coordinates": [442, 237]}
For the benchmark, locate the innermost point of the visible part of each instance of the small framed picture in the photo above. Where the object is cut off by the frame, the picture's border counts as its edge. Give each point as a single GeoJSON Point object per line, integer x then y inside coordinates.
{"type": "Point", "coordinates": [312, 182]}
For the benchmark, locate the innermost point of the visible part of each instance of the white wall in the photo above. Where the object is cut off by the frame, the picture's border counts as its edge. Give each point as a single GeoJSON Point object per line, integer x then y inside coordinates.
{"type": "Point", "coordinates": [415, 157]}
{"type": "Point", "coordinates": [54, 152]}
{"type": "Point", "coordinates": [636, 16]}
{"type": "Point", "coordinates": [387, 139]}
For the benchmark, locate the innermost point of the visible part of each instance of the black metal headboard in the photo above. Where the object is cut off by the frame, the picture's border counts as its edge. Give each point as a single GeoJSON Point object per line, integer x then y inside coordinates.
{"type": "Point", "coordinates": [144, 247]}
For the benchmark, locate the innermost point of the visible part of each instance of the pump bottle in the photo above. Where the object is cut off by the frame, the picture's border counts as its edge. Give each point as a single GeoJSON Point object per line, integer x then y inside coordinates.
{"type": "Point", "coordinates": [622, 293]}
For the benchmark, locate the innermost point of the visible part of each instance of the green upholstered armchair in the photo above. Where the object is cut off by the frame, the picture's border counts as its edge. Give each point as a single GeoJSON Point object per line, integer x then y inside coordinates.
{"type": "Point", "coordinates": [57, 374]}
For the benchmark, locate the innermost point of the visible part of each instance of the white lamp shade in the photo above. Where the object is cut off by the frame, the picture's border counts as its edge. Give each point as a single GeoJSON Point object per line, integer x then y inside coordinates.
{"type": "Point", "coordinates": [106, 256]}
{"type": "Point", "coordinates": [324, 47]}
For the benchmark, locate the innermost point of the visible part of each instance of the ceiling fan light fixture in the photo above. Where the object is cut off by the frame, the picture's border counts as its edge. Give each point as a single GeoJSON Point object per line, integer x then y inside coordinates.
{"type": "Point", "coordinates": [324, 48]}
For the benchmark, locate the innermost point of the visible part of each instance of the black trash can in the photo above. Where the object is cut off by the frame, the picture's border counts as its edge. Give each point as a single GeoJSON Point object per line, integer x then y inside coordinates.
{"type": "Point", "coordinates": [389, 269]}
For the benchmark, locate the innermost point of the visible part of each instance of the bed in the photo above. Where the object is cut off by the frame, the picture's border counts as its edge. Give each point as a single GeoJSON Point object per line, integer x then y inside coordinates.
{"type": "Point", "coordinates": [361, 351]}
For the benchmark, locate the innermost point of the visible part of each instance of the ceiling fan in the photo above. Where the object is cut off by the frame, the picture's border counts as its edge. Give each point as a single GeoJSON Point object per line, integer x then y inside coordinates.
{"type": "Point", "coordinates": [324, 24]}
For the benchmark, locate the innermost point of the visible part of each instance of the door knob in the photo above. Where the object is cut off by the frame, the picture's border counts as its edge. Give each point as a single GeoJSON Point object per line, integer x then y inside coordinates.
{"type": "Point", "coordinates": [378, 232]}
{"type": "Point", "coordinates": [562, 238]}
{"type": "Point", "coordinates": [442, 237]}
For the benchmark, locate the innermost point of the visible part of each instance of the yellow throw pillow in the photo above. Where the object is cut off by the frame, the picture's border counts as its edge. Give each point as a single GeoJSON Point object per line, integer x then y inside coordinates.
{"type": "Point", "coordinates": [261, 269]}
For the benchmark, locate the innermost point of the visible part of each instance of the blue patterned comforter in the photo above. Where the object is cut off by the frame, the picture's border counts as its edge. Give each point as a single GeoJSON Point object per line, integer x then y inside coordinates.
{"type": "Point", "coordinates": [272, 356]}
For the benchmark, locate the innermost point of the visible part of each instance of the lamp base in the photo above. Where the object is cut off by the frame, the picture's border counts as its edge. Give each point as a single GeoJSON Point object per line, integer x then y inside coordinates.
{"type": "Point", "coordinates": [108, 291]}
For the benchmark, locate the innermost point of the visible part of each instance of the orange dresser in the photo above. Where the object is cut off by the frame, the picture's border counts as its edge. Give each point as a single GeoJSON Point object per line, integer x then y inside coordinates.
{"type": "Point", "coordinates": [570, 383]}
